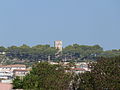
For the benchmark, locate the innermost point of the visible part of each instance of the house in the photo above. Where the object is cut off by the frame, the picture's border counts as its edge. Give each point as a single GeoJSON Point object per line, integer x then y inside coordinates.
{"type": "Point", "coordinates": [12, 67]}
{"type": "Point", "coordinates": [83, 65]}
{"type": "Point", "coordinates": [20, 72]}
{"type": "Point", "coordinates": [2, 53]}
{"type": "Point", "coordinates": [7, 71]}
{"type": "Point", "coordinates": [78, 70]}
{"type": "Point", "coordinates": [6, 75]}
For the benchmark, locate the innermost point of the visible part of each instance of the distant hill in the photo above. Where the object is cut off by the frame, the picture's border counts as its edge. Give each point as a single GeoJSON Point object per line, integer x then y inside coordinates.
{"type": "Point", "coordinates": [73, 52]}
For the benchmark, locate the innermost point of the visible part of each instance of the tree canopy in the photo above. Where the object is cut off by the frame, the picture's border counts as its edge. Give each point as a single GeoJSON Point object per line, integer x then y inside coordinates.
{"type": "Point", "coordinates": [45, 76]}
{"type": "Point", "coordinates": [73, 53]}
{"type": "Point", "coordinates": [104, 75]}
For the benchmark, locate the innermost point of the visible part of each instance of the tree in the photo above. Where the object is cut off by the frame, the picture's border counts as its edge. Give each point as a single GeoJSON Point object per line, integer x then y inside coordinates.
{"type": "Point", "coordinates": [2, 49]}
{"type": "Point", "coordinates": [17, 83]}
{"type": "Point", "coordinates": [104, 75]}
{"type": "Point", "coordinates": [45, 76]}
{"type": "Point", "coordinates": [82, 52]}
{"type": "Point", "coordinates": [35, 53]}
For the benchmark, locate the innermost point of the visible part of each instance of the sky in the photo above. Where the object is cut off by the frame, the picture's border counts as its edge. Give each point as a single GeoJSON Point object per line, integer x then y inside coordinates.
{"type": "Point", "coordinates": [85, 22]}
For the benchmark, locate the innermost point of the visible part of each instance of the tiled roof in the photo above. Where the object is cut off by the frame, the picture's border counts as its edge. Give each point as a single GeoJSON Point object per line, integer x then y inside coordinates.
{"type": "Point", "coordinates": [21, 70]}
{"type": "Point", "coordinates": [15, 65]}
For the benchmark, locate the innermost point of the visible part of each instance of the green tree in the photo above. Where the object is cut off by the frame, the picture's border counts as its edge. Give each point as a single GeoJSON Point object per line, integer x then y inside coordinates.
{"type": "Point", "coordinates": [2, 49]}
{"type": "Point", "coordinates": [35, 53]}
{"type": "Point", "coordinates": [82, 52]}
{"type": "Point", "coordinates": [17, 83]}
{"type": "Point", "coordinates": [45, 76]}
{"type": "Point", "coordinates": [104, 75]}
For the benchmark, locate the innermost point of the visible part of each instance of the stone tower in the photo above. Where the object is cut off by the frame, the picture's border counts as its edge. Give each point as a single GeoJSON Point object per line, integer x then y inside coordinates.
{"type": "Point", "coordinates": [58, 45]}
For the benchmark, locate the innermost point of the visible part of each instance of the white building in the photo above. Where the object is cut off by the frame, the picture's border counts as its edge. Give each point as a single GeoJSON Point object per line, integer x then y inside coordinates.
{"type": "Point", "coordinates": [2, 53]}
{"type": "Point", "coordinates": [20, 72]}
{"type": "Point", "coordinates": [82, 65]}
{"type": "Point", "coordinates": [78, 70]}
{"type": "Point", "coordinates": [12, 67]}
{"type": "Point", "coordinates": [6, 71]}
{"type": "Point", "coordinates": [6, 74]}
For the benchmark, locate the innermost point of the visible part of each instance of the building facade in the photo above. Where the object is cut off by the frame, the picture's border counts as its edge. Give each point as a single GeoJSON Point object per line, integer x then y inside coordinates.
{"type": "Point", "coordinates": [7, 71]}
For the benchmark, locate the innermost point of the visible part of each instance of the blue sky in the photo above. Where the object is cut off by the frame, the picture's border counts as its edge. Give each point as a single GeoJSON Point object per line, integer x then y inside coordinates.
{"type": "Point", "coordinates": [86, 22]}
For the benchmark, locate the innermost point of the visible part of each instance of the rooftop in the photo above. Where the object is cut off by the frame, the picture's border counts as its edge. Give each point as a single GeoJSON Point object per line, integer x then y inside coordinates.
{"type": "Point", "coordinates": [21, 70]}
{"type": "Point", "coordinates": [15, 65]}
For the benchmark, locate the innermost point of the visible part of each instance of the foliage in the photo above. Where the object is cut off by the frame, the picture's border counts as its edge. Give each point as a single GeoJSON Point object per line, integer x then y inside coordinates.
{"type": "Point", "coordinates": [2, 49]}
{"type": "Point", "coordinates": [45, 76]}
{"type": "Point", "coordinates": [17, 83]}
{"type": "Point", "coordinates": [39, 52]}
{"type": "Point", "coordinates": [73, 52]}
{"type": "Point", "coordinates": [105, 74]}
{"type": "Point", "coordinates": [81, 52]}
